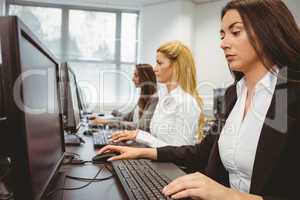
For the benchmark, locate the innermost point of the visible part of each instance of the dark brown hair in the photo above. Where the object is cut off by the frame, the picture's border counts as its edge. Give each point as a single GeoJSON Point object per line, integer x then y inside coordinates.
{"type": "Point", "coordinates": [148, 84]}
{"type": "Point", "coordinates": [272, 31]}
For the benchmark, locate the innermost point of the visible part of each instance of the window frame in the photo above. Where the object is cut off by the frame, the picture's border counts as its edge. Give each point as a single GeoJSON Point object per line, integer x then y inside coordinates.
{"type": "Point", "coordinates": [65, 8]}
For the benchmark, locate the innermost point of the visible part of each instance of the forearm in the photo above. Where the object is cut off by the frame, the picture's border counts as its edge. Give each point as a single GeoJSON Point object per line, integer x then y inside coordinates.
{"type": "Point", "coordinates": [194, 157]}
{"type": "Point", "coordinates": [236, 195]}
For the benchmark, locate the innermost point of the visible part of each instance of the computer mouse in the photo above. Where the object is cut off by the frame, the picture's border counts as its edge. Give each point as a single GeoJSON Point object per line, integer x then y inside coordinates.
{"type": "Point", "coordinates": [102, 158]}
{"type": "Point", "coordinates": [91, 117]}
{"type": "Point", "coordinates": [101, 114]}
{"type": "Point", "coordinates": [91, 126]}
{"type": "Point", "coordinates": [89, 132]}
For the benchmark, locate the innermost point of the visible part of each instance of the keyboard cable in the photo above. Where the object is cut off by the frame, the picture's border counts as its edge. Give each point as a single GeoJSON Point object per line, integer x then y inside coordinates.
{"type": "Point", "coordinates": [91, 180]}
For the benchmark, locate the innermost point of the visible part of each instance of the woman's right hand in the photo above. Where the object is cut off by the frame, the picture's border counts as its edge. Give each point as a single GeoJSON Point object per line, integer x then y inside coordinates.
{"type": "Point", "coordinates": [129, 152]}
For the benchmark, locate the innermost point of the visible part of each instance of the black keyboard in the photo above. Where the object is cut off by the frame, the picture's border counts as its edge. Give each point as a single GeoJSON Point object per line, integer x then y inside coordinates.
{"type": "Point", "coordinates": [100, 139]}
{"type": "Point", "coordinates": [140, 179]}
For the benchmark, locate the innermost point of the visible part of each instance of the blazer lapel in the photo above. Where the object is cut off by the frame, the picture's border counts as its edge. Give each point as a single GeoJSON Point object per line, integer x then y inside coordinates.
{"type": "Point", "coordinates": [273, 136]}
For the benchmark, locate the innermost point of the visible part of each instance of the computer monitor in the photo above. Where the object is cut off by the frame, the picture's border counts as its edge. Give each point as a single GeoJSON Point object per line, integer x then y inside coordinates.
{"type": "Point", "coordinates": [63, 86]}
{"type": "Point", "coordinates": [219, 102]}
{"type": "Point", "coordinates": [73, 114]}
{"type": "Point", "coordinates": [83, 102]}
{"type": "Point", "coordinates": [69, 98]}
{"type": "Point", "coordinates": [81, 99]}
{"type": "Point", "coordinates": [34, 134]}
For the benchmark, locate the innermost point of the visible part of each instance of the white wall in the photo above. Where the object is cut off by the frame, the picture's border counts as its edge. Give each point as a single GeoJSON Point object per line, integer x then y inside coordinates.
{"type": "Point", "coordinates": [212, 69]}
{"type": "Point", "coordinates": [162, 22]}
{"type": "Point", "coordinates": [294, 6]}
{"type": "Point", "coordinates": [2, 7]}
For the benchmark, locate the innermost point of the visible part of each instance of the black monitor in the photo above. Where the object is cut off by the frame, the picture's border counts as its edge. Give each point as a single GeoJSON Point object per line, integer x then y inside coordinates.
{"type": "Point", "coordinates": [34, 137]}
{"type": "Point", "coordinates": [69, 98]}
{"type": "Point", "coordinates": [219, 102]}
{"type": "Point", "coordinates": [82, 99]}
{"type": "Point", "coordinates": [63, 84]}
{"type": "Point", "coordinates": [83, 102]}
{"type": "Point", "coordinates": [73, 114]}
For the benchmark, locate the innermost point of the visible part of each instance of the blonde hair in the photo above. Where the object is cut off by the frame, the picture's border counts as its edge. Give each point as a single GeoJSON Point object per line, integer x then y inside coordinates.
{"type": "Point", "coordinates": [185, 73]}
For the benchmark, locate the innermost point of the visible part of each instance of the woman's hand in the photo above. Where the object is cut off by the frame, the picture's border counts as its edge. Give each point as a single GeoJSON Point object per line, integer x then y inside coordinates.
{"type": "Point", "coordinates": [129, 152]}
{"type": "Point", "coordinates": [100, 121]}
{"type": "Point", "coordinates": [197, 186]}
{"type": "Point", "coordinates": [123, 136]}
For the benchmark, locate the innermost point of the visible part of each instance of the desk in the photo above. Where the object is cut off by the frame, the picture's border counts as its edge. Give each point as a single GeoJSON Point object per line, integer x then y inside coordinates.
{"type": "Point", "coordinates": [107, 190]}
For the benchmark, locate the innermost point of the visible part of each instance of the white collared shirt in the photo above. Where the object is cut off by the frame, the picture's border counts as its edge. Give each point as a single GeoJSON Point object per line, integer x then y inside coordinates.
{"type": "Point", "coordinates": [239, 137]}
{"type": "Point", "coordinates": [174, 122]}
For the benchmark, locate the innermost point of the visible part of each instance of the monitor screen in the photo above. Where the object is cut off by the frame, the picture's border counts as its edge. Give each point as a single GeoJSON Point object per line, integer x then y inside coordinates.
{"type": "Point", "coordinates": [42, 118]}
{"type": "Point", "coordinates": [74, 96]}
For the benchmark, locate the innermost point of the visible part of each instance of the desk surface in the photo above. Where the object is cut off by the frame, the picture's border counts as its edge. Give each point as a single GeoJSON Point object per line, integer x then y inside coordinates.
{"type": "Point", "coordinates": [109, 189]}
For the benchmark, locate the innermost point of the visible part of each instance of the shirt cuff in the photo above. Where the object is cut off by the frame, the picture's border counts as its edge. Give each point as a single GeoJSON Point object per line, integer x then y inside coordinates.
{"type": "Point", "coordinates": [141, 137]}
{"type": "Point", "coordinates": [163, 153]}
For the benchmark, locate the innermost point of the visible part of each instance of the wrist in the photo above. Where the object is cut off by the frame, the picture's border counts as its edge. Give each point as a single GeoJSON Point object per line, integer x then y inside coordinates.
{"type": "Point", "coordinates": [149, 153]}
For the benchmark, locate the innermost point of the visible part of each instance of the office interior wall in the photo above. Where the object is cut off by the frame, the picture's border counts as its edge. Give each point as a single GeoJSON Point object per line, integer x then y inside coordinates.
{"type": "Point", "coordinates": [2, 7]}
{"type": "Point", "coordinates": [162, 22]}
{"type": "Point", "coordinates": [212, 70]}
{"type": "Point", "coordinates": [294, 6]}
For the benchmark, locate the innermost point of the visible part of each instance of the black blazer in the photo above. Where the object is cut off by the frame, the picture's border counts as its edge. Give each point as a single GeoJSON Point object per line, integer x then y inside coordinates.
{"type": "Point", "coordinates": [276, 170]}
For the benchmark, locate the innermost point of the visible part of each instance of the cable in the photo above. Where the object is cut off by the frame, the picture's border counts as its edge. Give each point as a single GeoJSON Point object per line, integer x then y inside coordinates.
{"type": "Point", "coordinates": [74, 188]}
{"type": "Point", "coordinates": [93, 179]}
{"type": "Point", "coordinates": [89, 179]}
{"type": "Point", "coordinates": [110, 170]}
{"type": "Point", "coordinates": [72, 153]}
{"type": "Point", "coordinates": [80, 187]}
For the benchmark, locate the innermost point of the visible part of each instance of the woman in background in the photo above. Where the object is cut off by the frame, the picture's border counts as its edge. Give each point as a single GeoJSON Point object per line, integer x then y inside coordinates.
{"type": "Point", "coordinates": [177, 119]}
{"type": "Point", "coordinates": [140, 117]}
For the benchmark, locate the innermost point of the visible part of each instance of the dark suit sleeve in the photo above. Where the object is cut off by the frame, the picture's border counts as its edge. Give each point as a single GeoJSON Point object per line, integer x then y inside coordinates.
{"type": "Point", "coordinates": [194, 157]}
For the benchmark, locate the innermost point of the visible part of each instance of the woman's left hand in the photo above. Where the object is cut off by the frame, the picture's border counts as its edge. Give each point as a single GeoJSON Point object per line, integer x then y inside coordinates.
{"type": "Point", "coordinates": [123, 135]}
{"type": "Point", "coordinates": [197, 186]}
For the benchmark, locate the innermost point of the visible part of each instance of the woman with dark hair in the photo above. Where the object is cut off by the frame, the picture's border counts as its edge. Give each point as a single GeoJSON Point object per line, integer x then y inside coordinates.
{"type": "Point", "coordinates": [255, 156]}
{"type": "Point", "coordinates": [140, 117]}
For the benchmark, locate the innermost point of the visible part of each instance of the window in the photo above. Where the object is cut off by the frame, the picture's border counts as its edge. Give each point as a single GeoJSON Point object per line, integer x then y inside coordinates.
{"type": "Point", "coordinates": [92, 35]}
{"type": "Point", "coordinates": [44, 22]}
{"type": "Point", "coordinates": [100, 45]}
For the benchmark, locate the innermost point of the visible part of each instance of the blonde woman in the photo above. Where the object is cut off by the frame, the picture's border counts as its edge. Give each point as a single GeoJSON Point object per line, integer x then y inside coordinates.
{"type": "Point", "coordinates": [176, 119]}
